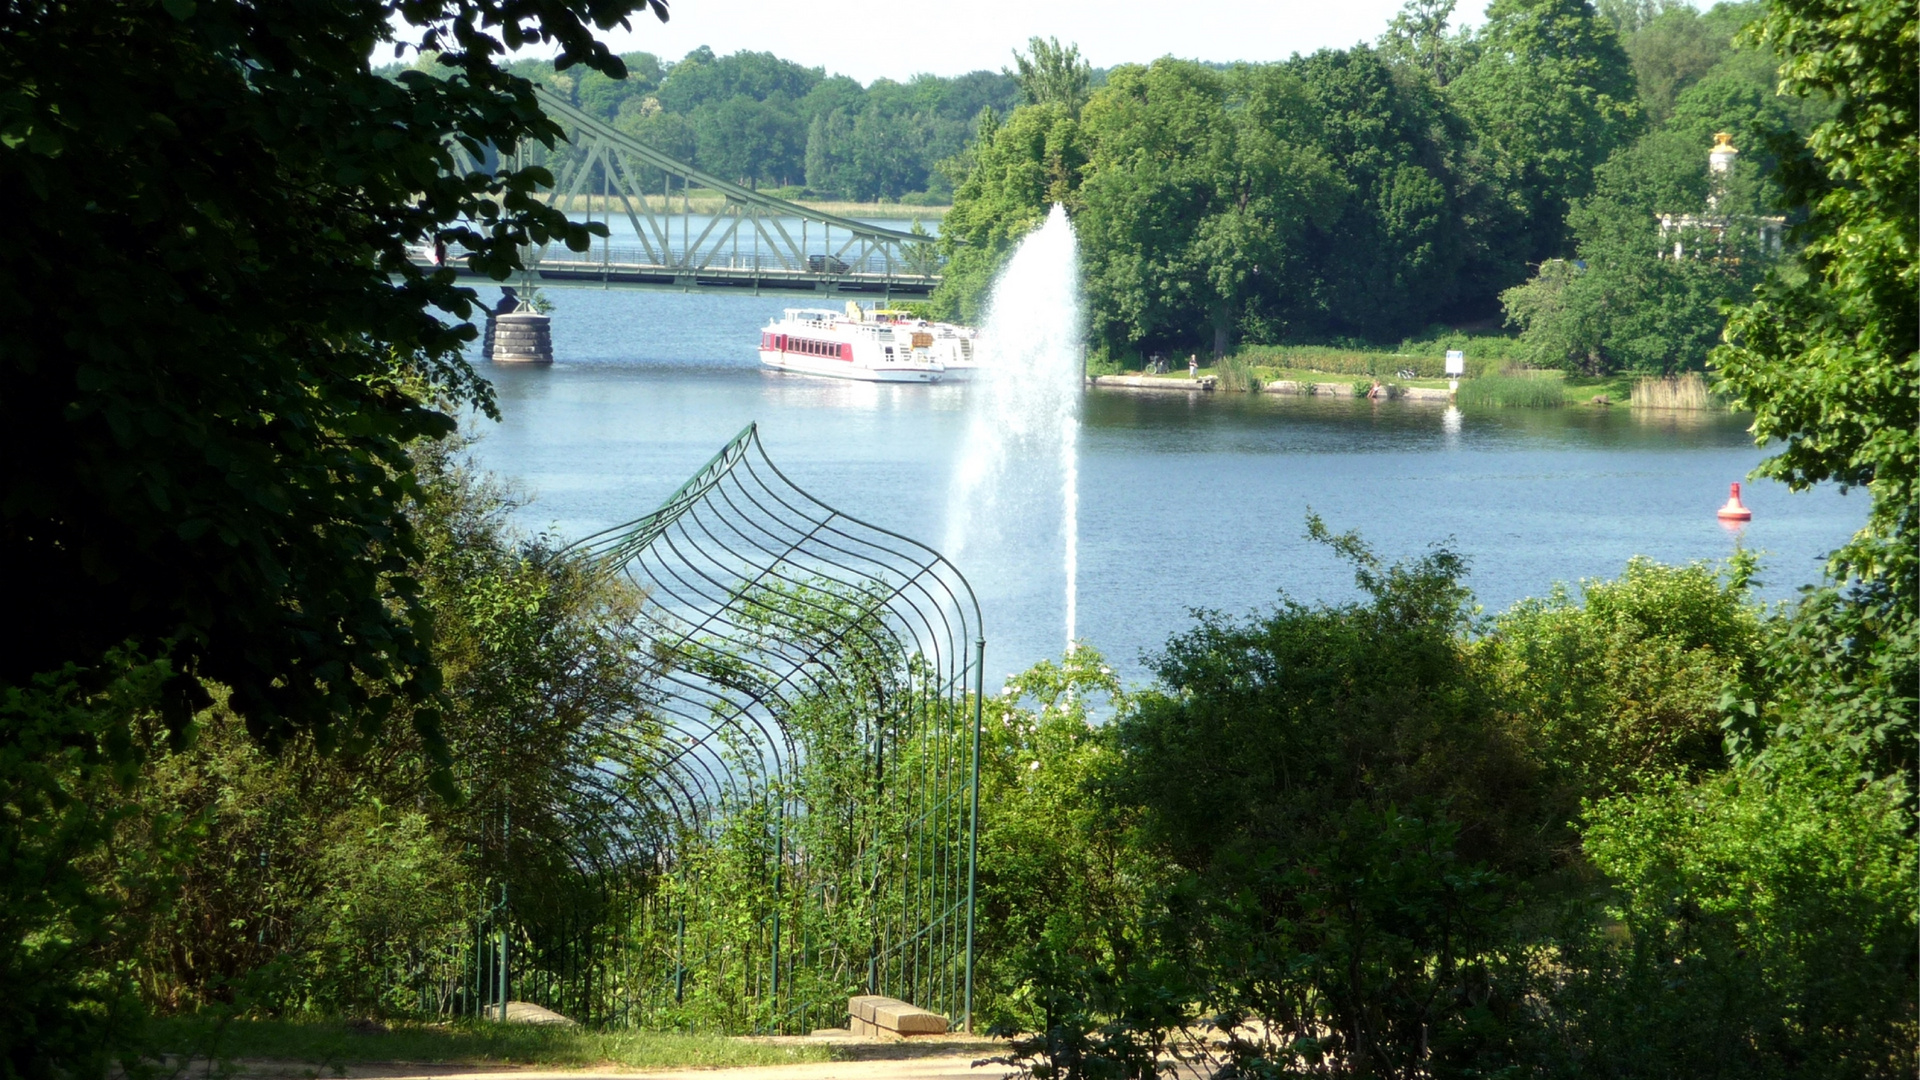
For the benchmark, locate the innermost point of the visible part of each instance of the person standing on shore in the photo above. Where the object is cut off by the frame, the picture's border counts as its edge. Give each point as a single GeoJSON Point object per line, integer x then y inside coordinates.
{"type": "Point", "coordinates": [1193, 365]}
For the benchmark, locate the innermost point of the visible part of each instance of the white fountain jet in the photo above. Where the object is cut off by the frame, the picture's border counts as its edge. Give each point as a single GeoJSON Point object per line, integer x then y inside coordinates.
{"type": "Point", "coordinates": [1023, 440]}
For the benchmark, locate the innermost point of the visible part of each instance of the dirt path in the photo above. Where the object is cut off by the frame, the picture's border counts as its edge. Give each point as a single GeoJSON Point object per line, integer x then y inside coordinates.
{"type": "Point", "coordinates": [925, 1058]}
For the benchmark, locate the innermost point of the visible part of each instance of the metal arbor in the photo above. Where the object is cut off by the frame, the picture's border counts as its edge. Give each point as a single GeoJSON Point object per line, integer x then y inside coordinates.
{"type": "Point", "coordinates": [750, 242]}
{"type": "Point", "coordinates": [805, 825]}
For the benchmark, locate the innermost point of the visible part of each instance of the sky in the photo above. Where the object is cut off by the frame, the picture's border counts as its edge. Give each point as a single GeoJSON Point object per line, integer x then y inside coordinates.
{"type": "Point", "coordinates": [906, 37]}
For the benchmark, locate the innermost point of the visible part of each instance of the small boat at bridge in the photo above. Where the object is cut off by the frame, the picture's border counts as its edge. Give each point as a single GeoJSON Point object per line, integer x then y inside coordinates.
{"type": "Point", "coordinates": [871, 346]}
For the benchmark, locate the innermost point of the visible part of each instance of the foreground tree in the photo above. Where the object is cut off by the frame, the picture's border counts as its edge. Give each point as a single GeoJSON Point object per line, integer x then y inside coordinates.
{"type": "Point", "coordinates": [217, 353]}
{"type": "Point", "coordinates": [1829, 360]}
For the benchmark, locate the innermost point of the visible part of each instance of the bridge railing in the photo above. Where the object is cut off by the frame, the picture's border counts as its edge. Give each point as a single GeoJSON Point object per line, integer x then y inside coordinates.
{"type": "Point", "coordinates": [633, 257]}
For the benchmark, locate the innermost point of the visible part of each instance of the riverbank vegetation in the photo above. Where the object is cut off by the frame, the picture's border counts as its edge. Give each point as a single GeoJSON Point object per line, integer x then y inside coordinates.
{"type": "Point", "coordinates": [1513, 391]}
{"type": "Point", "coordinates": [1655, 831]}
{"type": "Point", "coordinates": [285, 669]}
{"type": "Point", "coordinates": [1370, 193]}
{"type": "Point", "coordinates": [1396, 838]}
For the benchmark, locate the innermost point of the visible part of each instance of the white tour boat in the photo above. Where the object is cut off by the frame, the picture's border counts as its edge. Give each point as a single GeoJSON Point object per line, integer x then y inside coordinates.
{"type": "Point", "coordinates": [950, 346]}
{"type": "Point", "coordinates": [879, 346]}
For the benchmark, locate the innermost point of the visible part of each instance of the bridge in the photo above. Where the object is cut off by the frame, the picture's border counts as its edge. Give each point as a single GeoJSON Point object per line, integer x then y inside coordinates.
{"type": "Point", "coordinates": [745, 245]}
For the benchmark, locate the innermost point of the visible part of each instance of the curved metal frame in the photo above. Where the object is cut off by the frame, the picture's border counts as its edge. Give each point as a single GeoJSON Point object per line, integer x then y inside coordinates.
{"type": "Point", "coordinates": [761, 600]}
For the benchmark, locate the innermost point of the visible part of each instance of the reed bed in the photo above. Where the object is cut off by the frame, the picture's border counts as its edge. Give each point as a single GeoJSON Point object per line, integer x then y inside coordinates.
{"type": "Point", "coordinates": [1235, 374]}
{"type": "Point", "coordinates": [1543, 391]}
{"type": "Point", "coordinates": [1685, 392]}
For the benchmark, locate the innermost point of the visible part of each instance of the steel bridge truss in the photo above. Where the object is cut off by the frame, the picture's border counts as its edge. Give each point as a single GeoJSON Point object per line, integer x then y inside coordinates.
{"type": "Point", "coordinates": [751, 243]}
{"type": "Point", "coordinates": [802, 802]}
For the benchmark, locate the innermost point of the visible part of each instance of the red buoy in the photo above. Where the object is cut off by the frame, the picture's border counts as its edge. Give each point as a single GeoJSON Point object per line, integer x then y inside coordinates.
{"type": "Point", "coordinates": [1735, 510]}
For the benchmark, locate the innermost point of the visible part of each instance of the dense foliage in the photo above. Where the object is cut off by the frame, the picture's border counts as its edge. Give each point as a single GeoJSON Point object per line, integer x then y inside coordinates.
{"type": "Point", "coordinates": [1659, 831]}
{"type": "Point", "coordinates": [1639, 293]}
{"type": "Point", "coordinates": [1385, 839]}
{"type": "Point", "coordinates": [217, 356]}
{"type": "Point", "coordinates": [1374, 192]}
{"type": "Point", "coordinates": [339, 882]}
{"type": "Point", "coordinates": [757, 119]}
{"type": "Point", "coordinates": [1828, 357]}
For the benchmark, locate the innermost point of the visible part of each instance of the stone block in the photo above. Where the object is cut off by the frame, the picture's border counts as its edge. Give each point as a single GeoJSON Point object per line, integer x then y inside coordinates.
{"type": "Point", "coordinates": [873, 1014]}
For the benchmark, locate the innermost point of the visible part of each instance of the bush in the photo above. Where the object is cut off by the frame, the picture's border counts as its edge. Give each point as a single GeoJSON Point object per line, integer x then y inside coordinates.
{"type": "Point", "coordinates": [1765, 929]}
{"type": "Point", "coordinates": [1627, 686]}
{"type": "Point", "coordinates": [72, 901]}
{"type": "Point", "coordinates": [1236, 374]}
{"type": "Point", "coordinates": [1345, 815]}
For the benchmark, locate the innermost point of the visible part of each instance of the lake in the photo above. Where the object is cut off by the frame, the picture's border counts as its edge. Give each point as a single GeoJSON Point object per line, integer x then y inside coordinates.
{"type": "Point", "coordinates": [1185, 501]}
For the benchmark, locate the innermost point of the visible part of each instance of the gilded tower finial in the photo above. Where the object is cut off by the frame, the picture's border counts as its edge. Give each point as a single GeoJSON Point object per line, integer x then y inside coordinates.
{"type": "Point", "coordinates": [1720, 158]}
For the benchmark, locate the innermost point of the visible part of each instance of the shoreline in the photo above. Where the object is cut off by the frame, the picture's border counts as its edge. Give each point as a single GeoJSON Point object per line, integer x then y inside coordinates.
{"type": "Point", "coordinates": [1209, 384]}
{"type": "Point", "coordinates": [1353, 388]}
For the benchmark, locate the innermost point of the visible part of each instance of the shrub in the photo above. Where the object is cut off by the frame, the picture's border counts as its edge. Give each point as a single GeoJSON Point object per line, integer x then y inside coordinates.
{"type": "Point", "coordinates": [1426, 362]}
{"type": "Point", "coordinates": [1629, 684]}
{"type": "Point", "coordinates": [1765, 928]}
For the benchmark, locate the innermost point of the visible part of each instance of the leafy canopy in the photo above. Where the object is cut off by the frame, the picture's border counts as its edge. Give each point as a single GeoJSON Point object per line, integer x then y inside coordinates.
{"type": "Point", "coordinates": [218, 347]}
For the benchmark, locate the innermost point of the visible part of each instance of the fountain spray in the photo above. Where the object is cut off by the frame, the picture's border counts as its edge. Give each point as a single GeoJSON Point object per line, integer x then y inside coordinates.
{"type": "Point", "coordinates": [1025, 426]}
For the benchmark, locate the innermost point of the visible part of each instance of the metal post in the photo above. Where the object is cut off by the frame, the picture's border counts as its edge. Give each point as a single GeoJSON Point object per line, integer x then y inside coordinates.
{"type": "Point", "coordinates": [680, 963]}
{"type": "Point", "coordinates": [780, 856]}
{"type": "Point", "coordinates": [479, 967]}
{"type": "Point", "coordinates": [973, 825]}
{"type": "Point", "coordinates": [503, 958]}
{"type": "Point", "coordinates": [506, 840]}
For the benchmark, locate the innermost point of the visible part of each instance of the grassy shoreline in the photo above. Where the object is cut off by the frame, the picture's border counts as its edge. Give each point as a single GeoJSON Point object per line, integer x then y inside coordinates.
{"type": "Point", "coordinates": [1496, 374]}
{"type": "Point", "coordinates": [1566, 391]}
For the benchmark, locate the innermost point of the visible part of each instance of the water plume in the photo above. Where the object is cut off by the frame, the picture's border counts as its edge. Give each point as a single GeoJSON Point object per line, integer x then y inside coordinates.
{"type": "Point", "coordinates": [1022, 445]}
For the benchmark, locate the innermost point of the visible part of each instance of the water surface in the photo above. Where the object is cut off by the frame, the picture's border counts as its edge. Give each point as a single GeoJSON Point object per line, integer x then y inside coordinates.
{"type": "Point", "coordinates": [1185, 502]}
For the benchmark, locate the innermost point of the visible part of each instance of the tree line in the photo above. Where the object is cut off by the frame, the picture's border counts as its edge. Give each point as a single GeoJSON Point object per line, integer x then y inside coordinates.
{"type": "Point", "coordinates": [757, 119]}
{"type": "Point", "coordinates": [1438, 176]}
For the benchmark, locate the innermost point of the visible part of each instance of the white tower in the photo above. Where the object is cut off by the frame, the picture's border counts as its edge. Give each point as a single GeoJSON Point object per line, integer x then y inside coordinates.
{"type": "Point", "coordinates": [1719, 163]}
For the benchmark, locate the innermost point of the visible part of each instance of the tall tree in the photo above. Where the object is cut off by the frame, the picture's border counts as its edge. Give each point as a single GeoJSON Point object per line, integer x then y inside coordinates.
{"type": "Point", "coordinates": [1020, 168]}
{"type": "Point", "coordinates": [1549, 95]}
{"type": "Point", "coordinates": [1829, 359]}
{"type": "Point", "coordinates": [1195, 200]}
{"type": "Point", "coordinates": [1389, 264]}
{"type": "Point", "coordinates": [218, 352]}
{"type": "Point", "coordinates": [1052, 75]}
{"type": "Point", "coordinates": [1417, 37]}
{"type": "Point", "coordinates": [1631, 303]}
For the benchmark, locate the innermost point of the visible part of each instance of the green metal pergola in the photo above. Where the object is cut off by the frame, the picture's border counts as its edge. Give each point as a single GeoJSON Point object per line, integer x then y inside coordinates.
{"type": "Point", "coordinates": [796, 817]}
